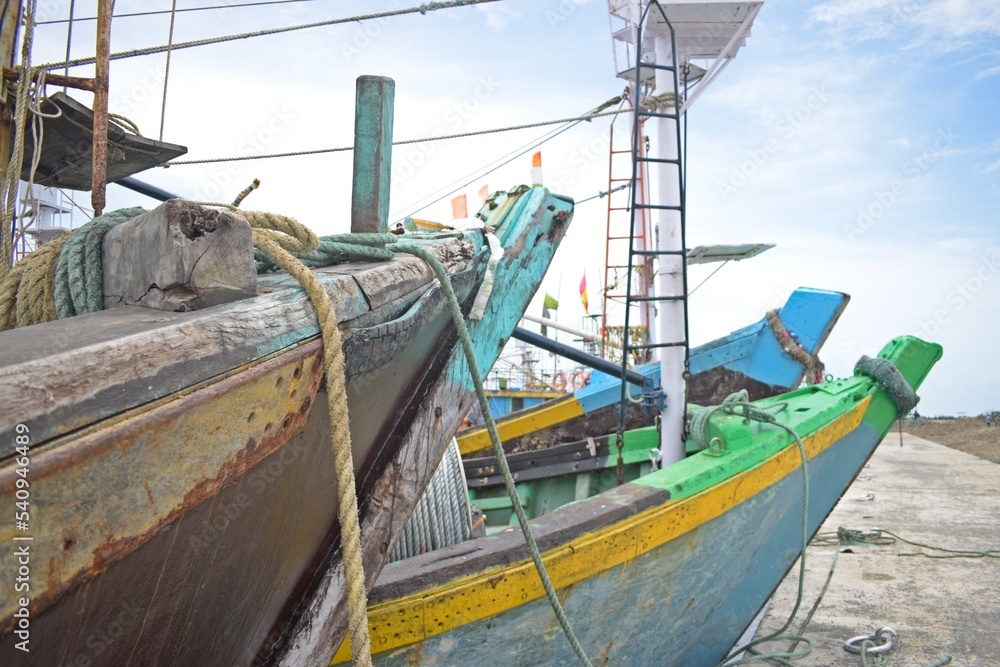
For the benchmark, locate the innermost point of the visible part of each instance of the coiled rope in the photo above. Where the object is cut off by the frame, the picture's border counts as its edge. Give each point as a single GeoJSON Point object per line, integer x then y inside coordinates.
{"type": "Point", "coordinates": [28, 295]}
{"type": "Point", "coordinates": [63, 278]}
{"type": "Point", "coordinates": [443, 515]}
{"type": "Point", "coordinates": [888, 377]}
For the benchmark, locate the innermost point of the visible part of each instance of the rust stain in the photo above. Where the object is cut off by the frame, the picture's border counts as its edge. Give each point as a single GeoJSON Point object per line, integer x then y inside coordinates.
{"type": "Point", "coordinates": [114, 548]}
{"type": "Point", "coordinates": [149, 493]}
{"type": "Point", "coordinates": [184, 424]}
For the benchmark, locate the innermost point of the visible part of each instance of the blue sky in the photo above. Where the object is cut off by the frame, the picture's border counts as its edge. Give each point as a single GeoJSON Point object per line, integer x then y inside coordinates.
{"type": "Point", "coordinates": [859, 136]}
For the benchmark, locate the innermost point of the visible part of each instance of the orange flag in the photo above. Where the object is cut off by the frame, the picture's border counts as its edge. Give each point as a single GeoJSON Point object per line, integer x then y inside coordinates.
{"type": "Point", "coordinates": [484, 193]}
{"type": "Point", "coordinates": [459, 208]}
{"type": "Point", "coordinates": [583, 294]}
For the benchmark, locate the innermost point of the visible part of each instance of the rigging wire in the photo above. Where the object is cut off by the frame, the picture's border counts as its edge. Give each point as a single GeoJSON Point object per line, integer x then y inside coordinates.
{"type": "Point", "coordinates": [166, 70]}
{"type": "Point", "coordinates": [510, 157]}
{"type": "Point", "coordinates": [71, 20]}
{"type": "Point", "coordinates": [69, 39]}
{"type": "Point", "coordinates": [421, 9]}
{"type": "Point", "coordinates": [317, 151]}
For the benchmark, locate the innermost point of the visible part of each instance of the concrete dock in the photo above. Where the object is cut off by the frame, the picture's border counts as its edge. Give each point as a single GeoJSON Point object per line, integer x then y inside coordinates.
{"type": "Point", "coordinates": [923, 492]}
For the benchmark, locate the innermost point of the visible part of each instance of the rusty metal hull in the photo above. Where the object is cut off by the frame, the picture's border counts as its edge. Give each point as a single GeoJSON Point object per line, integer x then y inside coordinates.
{"type": "Point", "coordinates": [244, 543]}
{"type": "Point", "coordinates": [198, 526]}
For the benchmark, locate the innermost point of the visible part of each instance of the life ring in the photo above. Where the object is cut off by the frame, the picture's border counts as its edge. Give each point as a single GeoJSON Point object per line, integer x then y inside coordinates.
{"type": "Point", "coordinates": [559, 381]}
{"type": "Point", "coordinates": [580, 380]}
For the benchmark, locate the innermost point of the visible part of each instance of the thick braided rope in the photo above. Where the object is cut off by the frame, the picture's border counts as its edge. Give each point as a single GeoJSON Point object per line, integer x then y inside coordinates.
{"type": "Point", "coordinates": [26, 292]}
{"type": "Point", "coordinates": [302, 240]}
{"type": "Point", "coordinates": [812, 366]}
{"type": "Point", "coordinates": [888, 377]}
{"type": "Point", "coordinates": [336, 249]}
{"type": "Point", "coordinates": [79, 282]}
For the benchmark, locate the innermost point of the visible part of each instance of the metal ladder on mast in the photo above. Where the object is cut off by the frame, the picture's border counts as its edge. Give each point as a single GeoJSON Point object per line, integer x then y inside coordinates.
{"type": "Point", "coordinates": [619, 231]}
{"type": "Point", "coordinates": [655, 399]}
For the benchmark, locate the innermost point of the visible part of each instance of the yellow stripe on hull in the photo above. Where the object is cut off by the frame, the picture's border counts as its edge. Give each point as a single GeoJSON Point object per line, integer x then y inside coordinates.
{"type": "Point", "coordinates": [468, 599]}
{"type": "Point", "coordinates": [545, 415]}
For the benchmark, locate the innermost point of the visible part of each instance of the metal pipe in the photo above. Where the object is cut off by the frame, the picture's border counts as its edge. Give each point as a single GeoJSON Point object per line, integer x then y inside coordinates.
{"type": "Point", "coordinates": [143, 188]}
{"type": "Point", "coordinates": [579, 356]}
{"type": "Point", "coordinates": [592, 337]}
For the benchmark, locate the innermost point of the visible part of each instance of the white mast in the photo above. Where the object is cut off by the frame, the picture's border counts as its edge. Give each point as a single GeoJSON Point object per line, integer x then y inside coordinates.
{"type": "Point", "coordinates": [711, 31]}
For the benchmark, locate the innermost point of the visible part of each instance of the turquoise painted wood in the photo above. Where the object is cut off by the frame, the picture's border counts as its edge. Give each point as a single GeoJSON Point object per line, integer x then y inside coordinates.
{"type": "Point", "coordinates": [373, 116]}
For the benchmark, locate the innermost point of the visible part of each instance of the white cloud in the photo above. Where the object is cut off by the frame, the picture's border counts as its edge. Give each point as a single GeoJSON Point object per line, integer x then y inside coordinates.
{"type": "Point", "coordinates": [498, 17]}
{"type": "Point", "coordinates": [988, 72]}
{"type": "Point", "coordinates": [941, 25]}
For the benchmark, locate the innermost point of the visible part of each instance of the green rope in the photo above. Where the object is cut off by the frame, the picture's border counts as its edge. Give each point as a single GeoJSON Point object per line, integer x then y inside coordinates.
{"type": "Point", "coordinates": [79, 285]}
{"type": "Point", "coordinates": [734, 404]}
{"type": "Point", "coordinates": [946, 553]}
{"type": "Point", "coordinates": [463, 334]}
{"type": "Point", "coordinates": [337, 249]}
{"type": "Point", "coordinates": [737, 404]}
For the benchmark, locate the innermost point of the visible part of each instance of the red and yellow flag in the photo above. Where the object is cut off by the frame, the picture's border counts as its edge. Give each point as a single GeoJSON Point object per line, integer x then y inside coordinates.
{"type": "Point", "coordinates": [583, 294]}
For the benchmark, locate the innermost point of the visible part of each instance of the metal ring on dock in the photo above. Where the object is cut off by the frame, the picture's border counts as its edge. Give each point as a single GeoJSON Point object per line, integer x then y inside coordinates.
{"type": "Point", "coordinates": [884, 640]}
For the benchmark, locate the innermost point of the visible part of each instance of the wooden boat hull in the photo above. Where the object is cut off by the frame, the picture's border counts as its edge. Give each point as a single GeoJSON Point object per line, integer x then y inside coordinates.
{"type": "Point", "coordinates": [195, 528]}
{"type": "Point", "coordinates": [668, 569]}
{"type": "Point", "coordinates": [749, 358]}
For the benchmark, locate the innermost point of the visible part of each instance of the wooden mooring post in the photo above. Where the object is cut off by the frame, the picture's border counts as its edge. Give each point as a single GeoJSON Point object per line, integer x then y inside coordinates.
{"type": "Point", "coordinates": [372, 154]}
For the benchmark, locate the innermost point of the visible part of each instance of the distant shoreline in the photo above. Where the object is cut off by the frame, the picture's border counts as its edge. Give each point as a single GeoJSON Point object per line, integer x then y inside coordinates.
{"type": "Point", "coordinates": [967, 434]}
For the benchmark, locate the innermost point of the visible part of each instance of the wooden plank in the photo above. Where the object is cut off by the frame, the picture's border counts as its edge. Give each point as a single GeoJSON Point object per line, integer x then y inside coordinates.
{"type": "Point", "coordinates": [372, 154]}
{"type": "Point", "coordinates": [67, 154]}
{"type": "Point", "coordinates": [179, 257]}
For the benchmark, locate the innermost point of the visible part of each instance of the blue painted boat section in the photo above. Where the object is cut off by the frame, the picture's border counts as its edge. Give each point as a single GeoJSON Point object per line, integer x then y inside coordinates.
{"type": "Point", "coordinates": [753, 350]}
{"type": "Point", "coordinates": [809, 314]}
{"type": "Point", "coordinates": [687, 599]}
